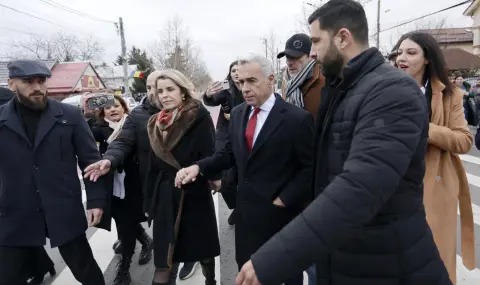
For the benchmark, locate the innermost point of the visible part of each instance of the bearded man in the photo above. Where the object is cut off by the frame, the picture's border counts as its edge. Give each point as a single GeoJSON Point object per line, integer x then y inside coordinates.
{"type": "Point", "coordinates": [41, 140]}
{"type": "Point", "coordinates": [367, 223]}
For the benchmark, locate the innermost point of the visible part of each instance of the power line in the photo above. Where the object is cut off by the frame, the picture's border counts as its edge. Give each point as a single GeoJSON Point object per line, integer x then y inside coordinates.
{"type": "Point", "coordinates": [424, 16]}
{"type": "Point", "coordinates": [18, 31]}
{"type": "Point", "coordinates": [7, 44]}
{"type": "Point", "coordinates": [30, 15]}
{"type": "Point", "coordinates": [73, 11]}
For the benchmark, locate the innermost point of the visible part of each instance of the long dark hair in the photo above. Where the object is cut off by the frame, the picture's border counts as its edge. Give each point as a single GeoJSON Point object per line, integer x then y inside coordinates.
{"type": "Point", "coordinates": [436, 67]}
{"type": "Point", "coordinates": [233, 87]}
{"type": "Point", "coordinates": [229, 76]}
{"type": "Point", "coordinates": [237, 93]}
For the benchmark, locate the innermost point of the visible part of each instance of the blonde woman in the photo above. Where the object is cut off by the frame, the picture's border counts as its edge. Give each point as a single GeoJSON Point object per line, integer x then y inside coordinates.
{"type": "Point", "coordinates": [184, 221]}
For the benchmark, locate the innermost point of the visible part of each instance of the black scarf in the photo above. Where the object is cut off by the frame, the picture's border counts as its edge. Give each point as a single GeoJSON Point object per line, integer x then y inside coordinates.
{"type": "Point", "coordinates": [30, 119]}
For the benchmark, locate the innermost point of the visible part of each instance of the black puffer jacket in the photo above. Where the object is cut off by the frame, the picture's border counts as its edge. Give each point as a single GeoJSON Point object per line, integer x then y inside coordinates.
{"type": "Point", "coordinates": [367, 224]}
{"type": "Point", "coordinates": [133, 137]}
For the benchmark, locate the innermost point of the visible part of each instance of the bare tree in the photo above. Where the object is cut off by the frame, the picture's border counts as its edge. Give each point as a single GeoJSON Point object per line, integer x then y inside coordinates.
{"type": "Point", "coordinates": [176, 50]}
{"type": "Point", "coordinates": [303, 26]}
{"type": "Point", "coordinates": [90, 50]}
{"type": "Point", "coordinates": [33, 48]}
{"type": "Point", "coordinates": [272, 49]}
{"type": "Point", "coordinates": [65, 47]}
{"type": "Point", "coordinates": [61, 47]}
{"type": "Point", "coordinates": [435, 23]}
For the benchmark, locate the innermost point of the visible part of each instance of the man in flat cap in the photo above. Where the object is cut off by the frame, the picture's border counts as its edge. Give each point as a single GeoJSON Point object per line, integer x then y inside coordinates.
{"type": "Point", "coordinates": [303, 80]}
{"type": "Point", "coordinates": [41, 140]}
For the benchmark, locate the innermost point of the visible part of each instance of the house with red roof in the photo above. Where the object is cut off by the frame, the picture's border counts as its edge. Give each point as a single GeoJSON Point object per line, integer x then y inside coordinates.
{"type": "Point", "coordinates": [70, 78]}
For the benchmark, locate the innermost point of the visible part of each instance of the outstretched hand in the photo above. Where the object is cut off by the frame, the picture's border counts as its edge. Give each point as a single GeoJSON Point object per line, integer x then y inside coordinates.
{"type": "Point", "coordinates": [97, 169]}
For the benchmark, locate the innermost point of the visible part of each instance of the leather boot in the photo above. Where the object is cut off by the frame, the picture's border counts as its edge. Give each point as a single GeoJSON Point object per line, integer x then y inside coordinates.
{"type": "Point", "coordinates": [208, 270]}
{"type": "Point", "coordinates": [123, 272]}
{"type": "Point", "coordinates": [147, 248]}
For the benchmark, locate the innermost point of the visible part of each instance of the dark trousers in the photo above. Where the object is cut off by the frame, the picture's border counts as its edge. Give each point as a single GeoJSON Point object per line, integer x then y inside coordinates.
{"type": "Point", "coordinates": [258, 221]}
{"type": "Point", "coordinates": [229, 187]}
{"type": "Point", "coordinates": [41, 264]}
{"type": "Point", "coordinates": [128, 226]}
{"type": "Point", "coordinates": [77, 254]}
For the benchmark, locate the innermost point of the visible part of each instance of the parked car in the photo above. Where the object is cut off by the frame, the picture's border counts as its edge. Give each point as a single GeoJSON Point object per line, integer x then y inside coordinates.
{"type": "Point", "coordinates": [73, 100]}
{"type": "Point", "coordinates": [130, 101]}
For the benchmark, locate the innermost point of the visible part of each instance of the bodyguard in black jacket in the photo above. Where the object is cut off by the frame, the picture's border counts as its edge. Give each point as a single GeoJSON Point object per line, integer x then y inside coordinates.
{"type": "Point", "coordinates": [367, 224]}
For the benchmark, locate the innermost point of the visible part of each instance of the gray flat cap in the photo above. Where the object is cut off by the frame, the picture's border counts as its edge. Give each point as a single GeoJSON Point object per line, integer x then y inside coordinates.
{"type": "Point", "coordinates": [27, 69]}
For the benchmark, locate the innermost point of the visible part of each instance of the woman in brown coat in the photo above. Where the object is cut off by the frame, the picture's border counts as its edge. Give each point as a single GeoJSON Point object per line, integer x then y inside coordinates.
{"type": "Point", "coordinates": [446, 184]}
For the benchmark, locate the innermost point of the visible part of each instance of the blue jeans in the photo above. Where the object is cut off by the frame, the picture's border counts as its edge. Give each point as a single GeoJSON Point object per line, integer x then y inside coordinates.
{"type": "Point", "coordinates": [312, 275]}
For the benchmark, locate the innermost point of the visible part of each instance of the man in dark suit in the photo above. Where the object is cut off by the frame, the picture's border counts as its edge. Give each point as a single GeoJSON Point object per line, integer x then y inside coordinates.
{"type": "Point", "coordinates": [5, 95]}
{"type": "Point", "coordinates": [271, 143]}
{"type": "Point", "coordinates": [40, 194]}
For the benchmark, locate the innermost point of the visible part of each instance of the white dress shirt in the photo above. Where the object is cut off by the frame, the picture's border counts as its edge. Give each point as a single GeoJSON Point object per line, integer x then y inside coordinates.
{"type": "Point", "coordinates": [424, 88]}
{"type": "Point", "coordinates": [265, 109]}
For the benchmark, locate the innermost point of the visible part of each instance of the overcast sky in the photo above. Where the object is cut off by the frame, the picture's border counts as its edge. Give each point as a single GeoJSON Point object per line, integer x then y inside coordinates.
{"type": "Point", "coordinates": [222, 29]}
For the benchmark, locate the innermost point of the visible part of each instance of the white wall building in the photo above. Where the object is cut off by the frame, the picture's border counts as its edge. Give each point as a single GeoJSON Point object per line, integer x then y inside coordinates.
{"type": "Point", "coordinates": [113, 75]}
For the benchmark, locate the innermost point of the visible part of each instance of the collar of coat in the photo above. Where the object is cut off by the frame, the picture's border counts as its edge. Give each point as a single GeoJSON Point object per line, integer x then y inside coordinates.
{"type": "Point", "coordinates": [162, 147]}
{"type": "Point", "coordinates": [437, 86]}
{"type": "Point", "coordinates": [437, 102]}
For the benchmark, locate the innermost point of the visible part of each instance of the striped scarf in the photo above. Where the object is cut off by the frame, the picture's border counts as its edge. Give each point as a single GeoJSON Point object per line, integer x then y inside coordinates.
{"type": "Point", "coordinates": [293, 93]}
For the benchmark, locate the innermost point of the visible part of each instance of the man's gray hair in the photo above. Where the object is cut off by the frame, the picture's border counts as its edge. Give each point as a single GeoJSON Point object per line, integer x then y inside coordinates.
{"type": "Point", "coordinates": [265, 63]}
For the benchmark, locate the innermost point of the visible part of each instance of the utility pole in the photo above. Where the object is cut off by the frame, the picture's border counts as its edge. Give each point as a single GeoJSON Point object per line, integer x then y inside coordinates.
{"type": "Point", "coordinates": [378, 25]}
{"type": "Point", "coordinates": [124, 57]}
{"type": "Point", "coordinates": [278, 76]}
{"type": "Point", "coordinates": [278, 63]}
{"type": "Point", "coordinates": [265, 42]}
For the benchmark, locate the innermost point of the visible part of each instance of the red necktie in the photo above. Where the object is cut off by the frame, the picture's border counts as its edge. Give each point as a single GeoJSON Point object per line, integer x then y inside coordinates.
{"type": "Point", "coordinates": [250, 131]}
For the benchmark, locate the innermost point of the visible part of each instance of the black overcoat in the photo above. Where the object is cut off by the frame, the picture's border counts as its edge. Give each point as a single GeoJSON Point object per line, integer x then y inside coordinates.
{"type": "Point", "coordinates": [39, 184]}
{"type": "Point", "coordinates": [280, 165]}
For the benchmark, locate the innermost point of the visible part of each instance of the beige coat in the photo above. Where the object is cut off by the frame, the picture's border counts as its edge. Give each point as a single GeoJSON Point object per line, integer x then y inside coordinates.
{"type": "Point", "coordinates": [446, 184]}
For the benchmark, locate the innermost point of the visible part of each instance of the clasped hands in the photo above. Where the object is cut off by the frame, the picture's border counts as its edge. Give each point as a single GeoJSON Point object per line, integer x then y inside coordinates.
{"type": "Point", "coordinates": [189, 174]}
